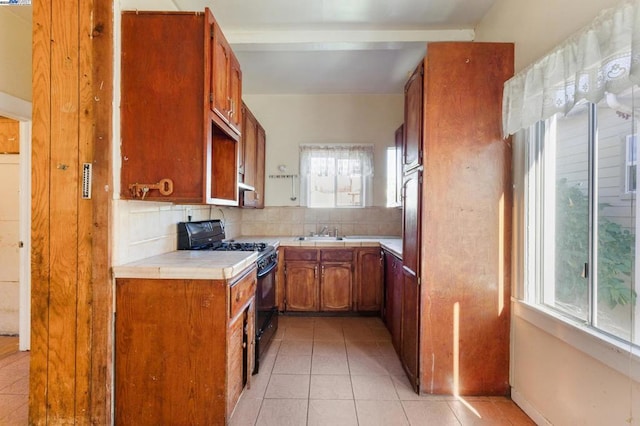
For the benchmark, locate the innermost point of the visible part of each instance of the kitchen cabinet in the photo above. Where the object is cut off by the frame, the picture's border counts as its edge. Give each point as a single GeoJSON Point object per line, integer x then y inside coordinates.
{"type": "Point", "coordinates": [174, 146]}
{"type": "Point", "coordinates": [183, 348]}
{"type": "Point", "coordinates": [252, 160]}
{"type": "Point", "coordinates": [226, 81]}
{"type": "Point", "coordinates": [413, 121]}
{"type": "Point", "coordinates": [393, 286]}
{"type": "Point", "coordinates": [318, 280]}
{"type": "Point", "coordinates": [457, 221]}
{"type": "Point", "coordinates": [301, 280]}
{"type": "Point", "coordinates": [336, 279]}
{"type": "Point", "coordinates": [369, 276]}
{"type": "Point", "coordinates": [411, 235]}
{"type": "Point", "coordinates": [402, 314]}
{"type": "Point", "coordinates": [409, 327]}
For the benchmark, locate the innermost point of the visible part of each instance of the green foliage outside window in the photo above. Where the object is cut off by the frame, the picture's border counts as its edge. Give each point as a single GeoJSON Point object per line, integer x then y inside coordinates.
{"type": "Point", "coordinates": [615, 252]}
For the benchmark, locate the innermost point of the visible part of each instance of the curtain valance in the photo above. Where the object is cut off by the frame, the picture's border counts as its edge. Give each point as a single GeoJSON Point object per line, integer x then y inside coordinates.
{"type": "Point", "coordinates": [362, 156]}
{"type": "Point", "coordinates": [602, 58]}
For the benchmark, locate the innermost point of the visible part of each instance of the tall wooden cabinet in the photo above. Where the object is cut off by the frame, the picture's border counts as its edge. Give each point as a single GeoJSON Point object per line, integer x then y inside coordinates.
{"type": "Point", "coordinates": [457, 218]}
{"type": "Point", "coordinates": [180, 109]}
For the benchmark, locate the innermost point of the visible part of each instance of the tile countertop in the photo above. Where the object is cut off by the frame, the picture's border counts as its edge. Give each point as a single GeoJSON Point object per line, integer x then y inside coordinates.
{"type": "Point", "coordinates": [392, 244]}
{"type": "Point", "coordinates": [189, 264]}
{"type": "Point", "coordinates": [217, 265]}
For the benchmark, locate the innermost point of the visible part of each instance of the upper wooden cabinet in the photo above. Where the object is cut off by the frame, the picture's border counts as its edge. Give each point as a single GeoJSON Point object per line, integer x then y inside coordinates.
{"type": "Point", "coordinates": [226, 80]}
{"type": "Point", "coordinates": [174, 146]}
{"type": "Point", "coordinates": [252, 161]}
{"type": "Point", "coordinates": [413, 113]}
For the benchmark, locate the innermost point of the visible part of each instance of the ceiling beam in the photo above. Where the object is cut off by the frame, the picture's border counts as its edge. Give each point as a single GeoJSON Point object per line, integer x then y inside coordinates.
{"type": "Point", "coordinates": [385, 39]}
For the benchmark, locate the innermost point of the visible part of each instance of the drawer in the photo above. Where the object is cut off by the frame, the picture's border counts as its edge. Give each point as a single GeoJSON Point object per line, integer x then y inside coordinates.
{"type": "Point", "coordinates": [337, 255]}
{"type": "Point", "coordinates": [241, 291]}
{"type": "Point", "coordinates": [301, 254]}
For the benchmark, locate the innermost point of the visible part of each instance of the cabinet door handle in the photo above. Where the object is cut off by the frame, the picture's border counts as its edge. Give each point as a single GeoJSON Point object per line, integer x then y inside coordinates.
{"type": "Point", "coordinates": [315, 271]}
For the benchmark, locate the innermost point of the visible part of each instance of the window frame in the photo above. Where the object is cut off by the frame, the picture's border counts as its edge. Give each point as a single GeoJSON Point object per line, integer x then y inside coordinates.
{"type": "Point", "coordinates": [620, 355]}
{"type": "Point", "coordinates": [537, 280]}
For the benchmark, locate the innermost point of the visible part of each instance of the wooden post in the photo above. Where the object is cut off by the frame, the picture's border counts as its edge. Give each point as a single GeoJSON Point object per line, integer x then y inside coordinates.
{"type": "Point", "coordinates": [71, 287]}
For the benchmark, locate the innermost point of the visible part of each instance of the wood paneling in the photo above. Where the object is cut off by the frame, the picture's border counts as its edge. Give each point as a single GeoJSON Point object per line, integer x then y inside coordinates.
{"type": "Point", "coordinates": [67, 264]}
{"type": "Point", "coordinates": [9, 136]}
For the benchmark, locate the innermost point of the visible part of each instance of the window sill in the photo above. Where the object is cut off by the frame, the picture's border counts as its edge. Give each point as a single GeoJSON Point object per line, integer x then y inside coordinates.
{"type": "Point", "coordinates": [624, 358]}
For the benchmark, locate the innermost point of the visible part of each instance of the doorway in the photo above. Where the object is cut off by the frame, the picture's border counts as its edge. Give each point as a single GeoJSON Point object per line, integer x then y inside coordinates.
{"type": "Point", "coordinates": [18, 169]}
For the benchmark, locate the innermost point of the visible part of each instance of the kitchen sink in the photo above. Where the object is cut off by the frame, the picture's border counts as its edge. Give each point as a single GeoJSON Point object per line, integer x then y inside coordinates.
{"type": "Point", "coordinates": [318, 238]}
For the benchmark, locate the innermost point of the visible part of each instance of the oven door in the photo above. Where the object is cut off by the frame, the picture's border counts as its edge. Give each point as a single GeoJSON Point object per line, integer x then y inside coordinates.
{"type": "Point", "coordinates": [266, 311]}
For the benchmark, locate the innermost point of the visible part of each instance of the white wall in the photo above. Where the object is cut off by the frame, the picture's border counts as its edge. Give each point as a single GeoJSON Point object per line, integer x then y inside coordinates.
{"type": "Point", "coordinates": [537, 26]}
{"type": "Point", "coordinates": [291, 120]}
{"type": "Point", "coordinates": [553, 380]}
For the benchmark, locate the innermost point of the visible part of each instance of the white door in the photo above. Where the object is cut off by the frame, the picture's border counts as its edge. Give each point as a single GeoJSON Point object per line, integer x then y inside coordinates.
{"type": "Point", "coordinates": [9, 243]}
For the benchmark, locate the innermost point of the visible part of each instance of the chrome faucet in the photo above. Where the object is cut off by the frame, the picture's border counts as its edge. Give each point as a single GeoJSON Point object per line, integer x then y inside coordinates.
{"type": "Point", "coordinates": [324, 232]}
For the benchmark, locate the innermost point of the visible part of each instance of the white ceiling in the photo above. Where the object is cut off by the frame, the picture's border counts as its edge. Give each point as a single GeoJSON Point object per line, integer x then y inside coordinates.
{"type": "Point", "coordinates": [329, 46]}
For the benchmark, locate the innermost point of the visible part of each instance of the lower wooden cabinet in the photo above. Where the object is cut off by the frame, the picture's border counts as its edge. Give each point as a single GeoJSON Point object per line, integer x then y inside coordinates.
{"type": "Point", "coordinates": [333, 279]}
{"type": "Point", "coordinates": [409, 334]}
{"type": "Point", "coordinates": [402, 313]}
{"type": "Point", "coordinates": [393, 284]}
{"type": "Point", "coordinates": [369, 279]}
{"type": "Point", "coordinates": [183, 353]}
{"type": "Point", "coordinates": [301, 286]}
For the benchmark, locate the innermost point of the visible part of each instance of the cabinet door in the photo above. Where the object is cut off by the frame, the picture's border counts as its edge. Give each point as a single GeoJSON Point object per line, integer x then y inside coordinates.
{"type": "Point", "coordinates": [369, 282]}
{"type": "Point", "coordinates": [335, 286]}
{"type": "Point", "coordinates": [413, 109]}
{"type": "Point", "coordinates": [410, 327]}
{"type": "Point", "coordinates": [221, 63]}
{"type": "Point", "coordinates": [235, 91]}
{"type": "Point", "coordinates": [301, 286]}
{"type": "Point", "coordinates": [261, 148]}
{"type": "Point", "coordinates": [393, 297]}
{"type": "Point", "coordinates": [235, 361]}
{"type": "Point", "coordinates": [411, 189]}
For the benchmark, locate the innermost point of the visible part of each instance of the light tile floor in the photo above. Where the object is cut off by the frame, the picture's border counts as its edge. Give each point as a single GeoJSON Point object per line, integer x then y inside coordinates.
{"type": "Point", "coordinates": [14, 387]}
{"type": "Point", "coordinates": [344, 371]}
{"type": "Point", "coordinates": [318, 371]}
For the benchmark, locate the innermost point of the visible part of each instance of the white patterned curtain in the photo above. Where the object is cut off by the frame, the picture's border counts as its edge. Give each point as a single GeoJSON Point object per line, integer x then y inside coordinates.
{"type": "Point", "coordinates": [361, 163]}
{"type": "Point", "coordinates": [602, 58]}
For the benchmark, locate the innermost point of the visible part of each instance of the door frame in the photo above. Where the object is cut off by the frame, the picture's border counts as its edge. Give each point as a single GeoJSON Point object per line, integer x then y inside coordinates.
{"type": "Point", "coordinates": [19, 109]}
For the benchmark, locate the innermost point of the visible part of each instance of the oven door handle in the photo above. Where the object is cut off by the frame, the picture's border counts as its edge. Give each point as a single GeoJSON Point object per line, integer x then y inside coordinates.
{"type": "Point", "coordinates": [266, 271]}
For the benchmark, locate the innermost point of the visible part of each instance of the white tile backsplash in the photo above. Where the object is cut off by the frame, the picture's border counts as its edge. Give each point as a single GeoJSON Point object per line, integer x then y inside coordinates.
{"type": "Point", "coordinates": [146, 228]}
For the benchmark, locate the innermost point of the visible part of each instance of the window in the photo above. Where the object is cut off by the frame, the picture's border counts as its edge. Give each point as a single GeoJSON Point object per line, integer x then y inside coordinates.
{"type": "Point", "coordinates": [393, 187]}
{"type": "Point", "coordinates": [336, 175]}
{"type": "Point", "coordinates": [581, 245]}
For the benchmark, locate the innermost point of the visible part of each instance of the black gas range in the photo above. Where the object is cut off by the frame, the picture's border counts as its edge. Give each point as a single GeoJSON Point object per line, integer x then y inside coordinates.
{"type": "Point", "coordinates": [210, 235]}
